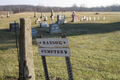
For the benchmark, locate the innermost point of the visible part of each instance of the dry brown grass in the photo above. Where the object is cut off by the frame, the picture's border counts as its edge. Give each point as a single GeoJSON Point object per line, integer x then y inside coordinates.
{"type": "Point", "coordinates": [5, 12]}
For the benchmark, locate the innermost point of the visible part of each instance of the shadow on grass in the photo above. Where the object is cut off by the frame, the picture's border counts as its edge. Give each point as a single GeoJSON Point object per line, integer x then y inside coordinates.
{"type": "Point", "coordinates": [10, 78]}
{"type": "Point", "coordinates": [74, 29]}
{"type": "Point", "coordinates": [89, 28]}
{"type": "Point", "coordinates": [70, 29]}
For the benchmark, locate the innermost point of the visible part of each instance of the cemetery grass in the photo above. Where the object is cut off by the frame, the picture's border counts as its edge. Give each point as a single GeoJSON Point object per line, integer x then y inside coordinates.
{"type": "Point", "coordinates": [94, 47]}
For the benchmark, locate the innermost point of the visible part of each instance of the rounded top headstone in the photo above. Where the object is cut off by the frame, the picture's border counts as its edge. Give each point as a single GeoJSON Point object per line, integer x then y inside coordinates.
{"type": "Point", "coordinates": [73, 11]}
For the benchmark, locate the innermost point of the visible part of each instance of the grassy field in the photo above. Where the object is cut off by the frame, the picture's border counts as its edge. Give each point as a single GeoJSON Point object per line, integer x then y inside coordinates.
{"type": "Point", "coordinates": [94, 46]}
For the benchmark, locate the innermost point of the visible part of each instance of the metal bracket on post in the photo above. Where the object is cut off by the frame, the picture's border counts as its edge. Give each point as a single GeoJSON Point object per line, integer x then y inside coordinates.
{"type": "Point", "coordinates": [44, 64]}
{"type": "Point", "coordinates": [68, 63]}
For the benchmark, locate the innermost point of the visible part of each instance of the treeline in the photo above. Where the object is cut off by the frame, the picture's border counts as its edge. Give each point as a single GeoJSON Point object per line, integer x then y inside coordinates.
{"type": "Point", "coordinates": [31, 8]}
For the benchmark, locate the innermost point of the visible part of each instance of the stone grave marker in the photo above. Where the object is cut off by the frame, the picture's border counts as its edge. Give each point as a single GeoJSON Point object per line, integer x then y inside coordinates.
{"type": "Point", "coordinates": [94, 18]}
{"type": "Point", "coordinates": [54, 28]}
{"type": "Point", "coordinates": [86, 18]}
{"type": "Point", "coordinates": [8, 14]}
{"type": "Point", "coordinates": [104, 18]}
{"type": "Point", "coordinates": [52, 15]}
{"type": "Point", "coordinates": [75, 18]}
{"type": "Point", "coordinates": [81, 19]}
{"type": "Point", "coordinates": [38, 19]}
{"type": "Point", "coordinates": [61, 19]}
{"type": "Point", "coordinates": [41, 15]}
{"type": "Point", "coordinates": [89, 18]}
{"type": "Point", "coordinates": [35, 14]}
{"type": "Point", "coordinates": [44, 25]}
{"type": "Point", "coordinates": [12, 27]}
{"type": "Point", "coordinates": [98, 18]}
{"type": "Point", "coordinates": [45, 18]}
{"type": "Point", "coordinates": [52, 18]}
{"type": "Point", "coordinates": [1, 16]}
{"type": "Point", "coordinates": [34, 32]}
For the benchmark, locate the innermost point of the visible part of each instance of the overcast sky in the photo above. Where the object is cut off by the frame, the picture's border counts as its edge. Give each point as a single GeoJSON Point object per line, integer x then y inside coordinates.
{"type": "Point", "coordinates": [61, 3]}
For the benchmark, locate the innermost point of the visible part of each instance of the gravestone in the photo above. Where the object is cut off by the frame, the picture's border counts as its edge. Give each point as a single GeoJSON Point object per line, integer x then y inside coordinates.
{"type": "Point", "coordinates": [41, 15]}
{"type": "Point", "coordinates": [8, 14]}
{"type": "Point", "coordinates": [75, 18]}
{"type": "Point", "coordinates": [94, 18]}
{"type": "Point", "coordinates": [52, 18]}
{"type": "Point", "coordinates": [89, 18]}
{"type": "Point", "coordinates": [13, 25]}
{"type": "Point", "coordinates": [44, 25]}
{"type": "Point", "coordinates": [104, 18]}
{"type": "Point", "coordinates": [81, 19]}
{"type": "Point", "coordinates": [38, 19]}
{"type": "Point", "coordinates": [61, 19]}
{"type": "Point", "coordinates": [97, 18]}
{"type": "Point", "coordinates": [84, 18]}
{"type": "Point", "coordinates": [45, 18]}
{"type": "Point", "coordinates": [54, 28]}
{"type": "Point", "coordinates": [26, 66]}
{"type": "Point", "coordinates": [1, 16]}
{"type": "Point", "coordinates": [52, 14]}
{"type": "Point", "coordinates": [35, 14]}
{"type": "Point", "coordinates": [34, 32]}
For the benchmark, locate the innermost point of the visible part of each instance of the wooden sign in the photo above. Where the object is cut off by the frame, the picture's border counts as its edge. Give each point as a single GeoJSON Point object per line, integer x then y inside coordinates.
{"type": "Point", "coordinates": [53, 47]}
{"type": "Point", "coordinates": [64, 52]}
{"type": "Point", "coordinates": [52, 42]}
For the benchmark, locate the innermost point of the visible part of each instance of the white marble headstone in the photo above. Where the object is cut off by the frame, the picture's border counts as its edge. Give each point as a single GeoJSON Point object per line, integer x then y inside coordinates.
{"type": "Point", "coordinates": [52, 18]}
{"type": "Point", "coordinates": [84, 18]}
{"type": "Point", "coordinates": [81, 18]}
{"type": "Point", "coordinates": [89, 18]}
{"type": "Point", "coordinates": [41, 15]}
{"type": "Point", "coordinates": [1, 16]}
{"type": "Point", "coordinates": [7, 14]}
{"type": "Point", "coordinates": [94, 18]}
{"type": "Point", "coordinates": [104, 18]}
{"type": "Point", "coordinates": [45, 18]}
{"type": "Point", "coordinates": [98, 18]}
{"type": "Point", "coordinates": [38, 19]}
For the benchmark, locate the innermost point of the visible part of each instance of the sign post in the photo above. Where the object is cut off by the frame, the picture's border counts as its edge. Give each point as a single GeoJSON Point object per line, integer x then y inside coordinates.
{"type": "Point", "coordinates": [68, 63]}
{"type": "Point", "coordinates": [44, 64]}
{"type": "Point", "coordinates": [54, 47]}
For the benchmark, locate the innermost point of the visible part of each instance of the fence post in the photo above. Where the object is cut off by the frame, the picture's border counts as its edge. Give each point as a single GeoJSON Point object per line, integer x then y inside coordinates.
{"type": "Point", "coordinates": [26, 66]}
